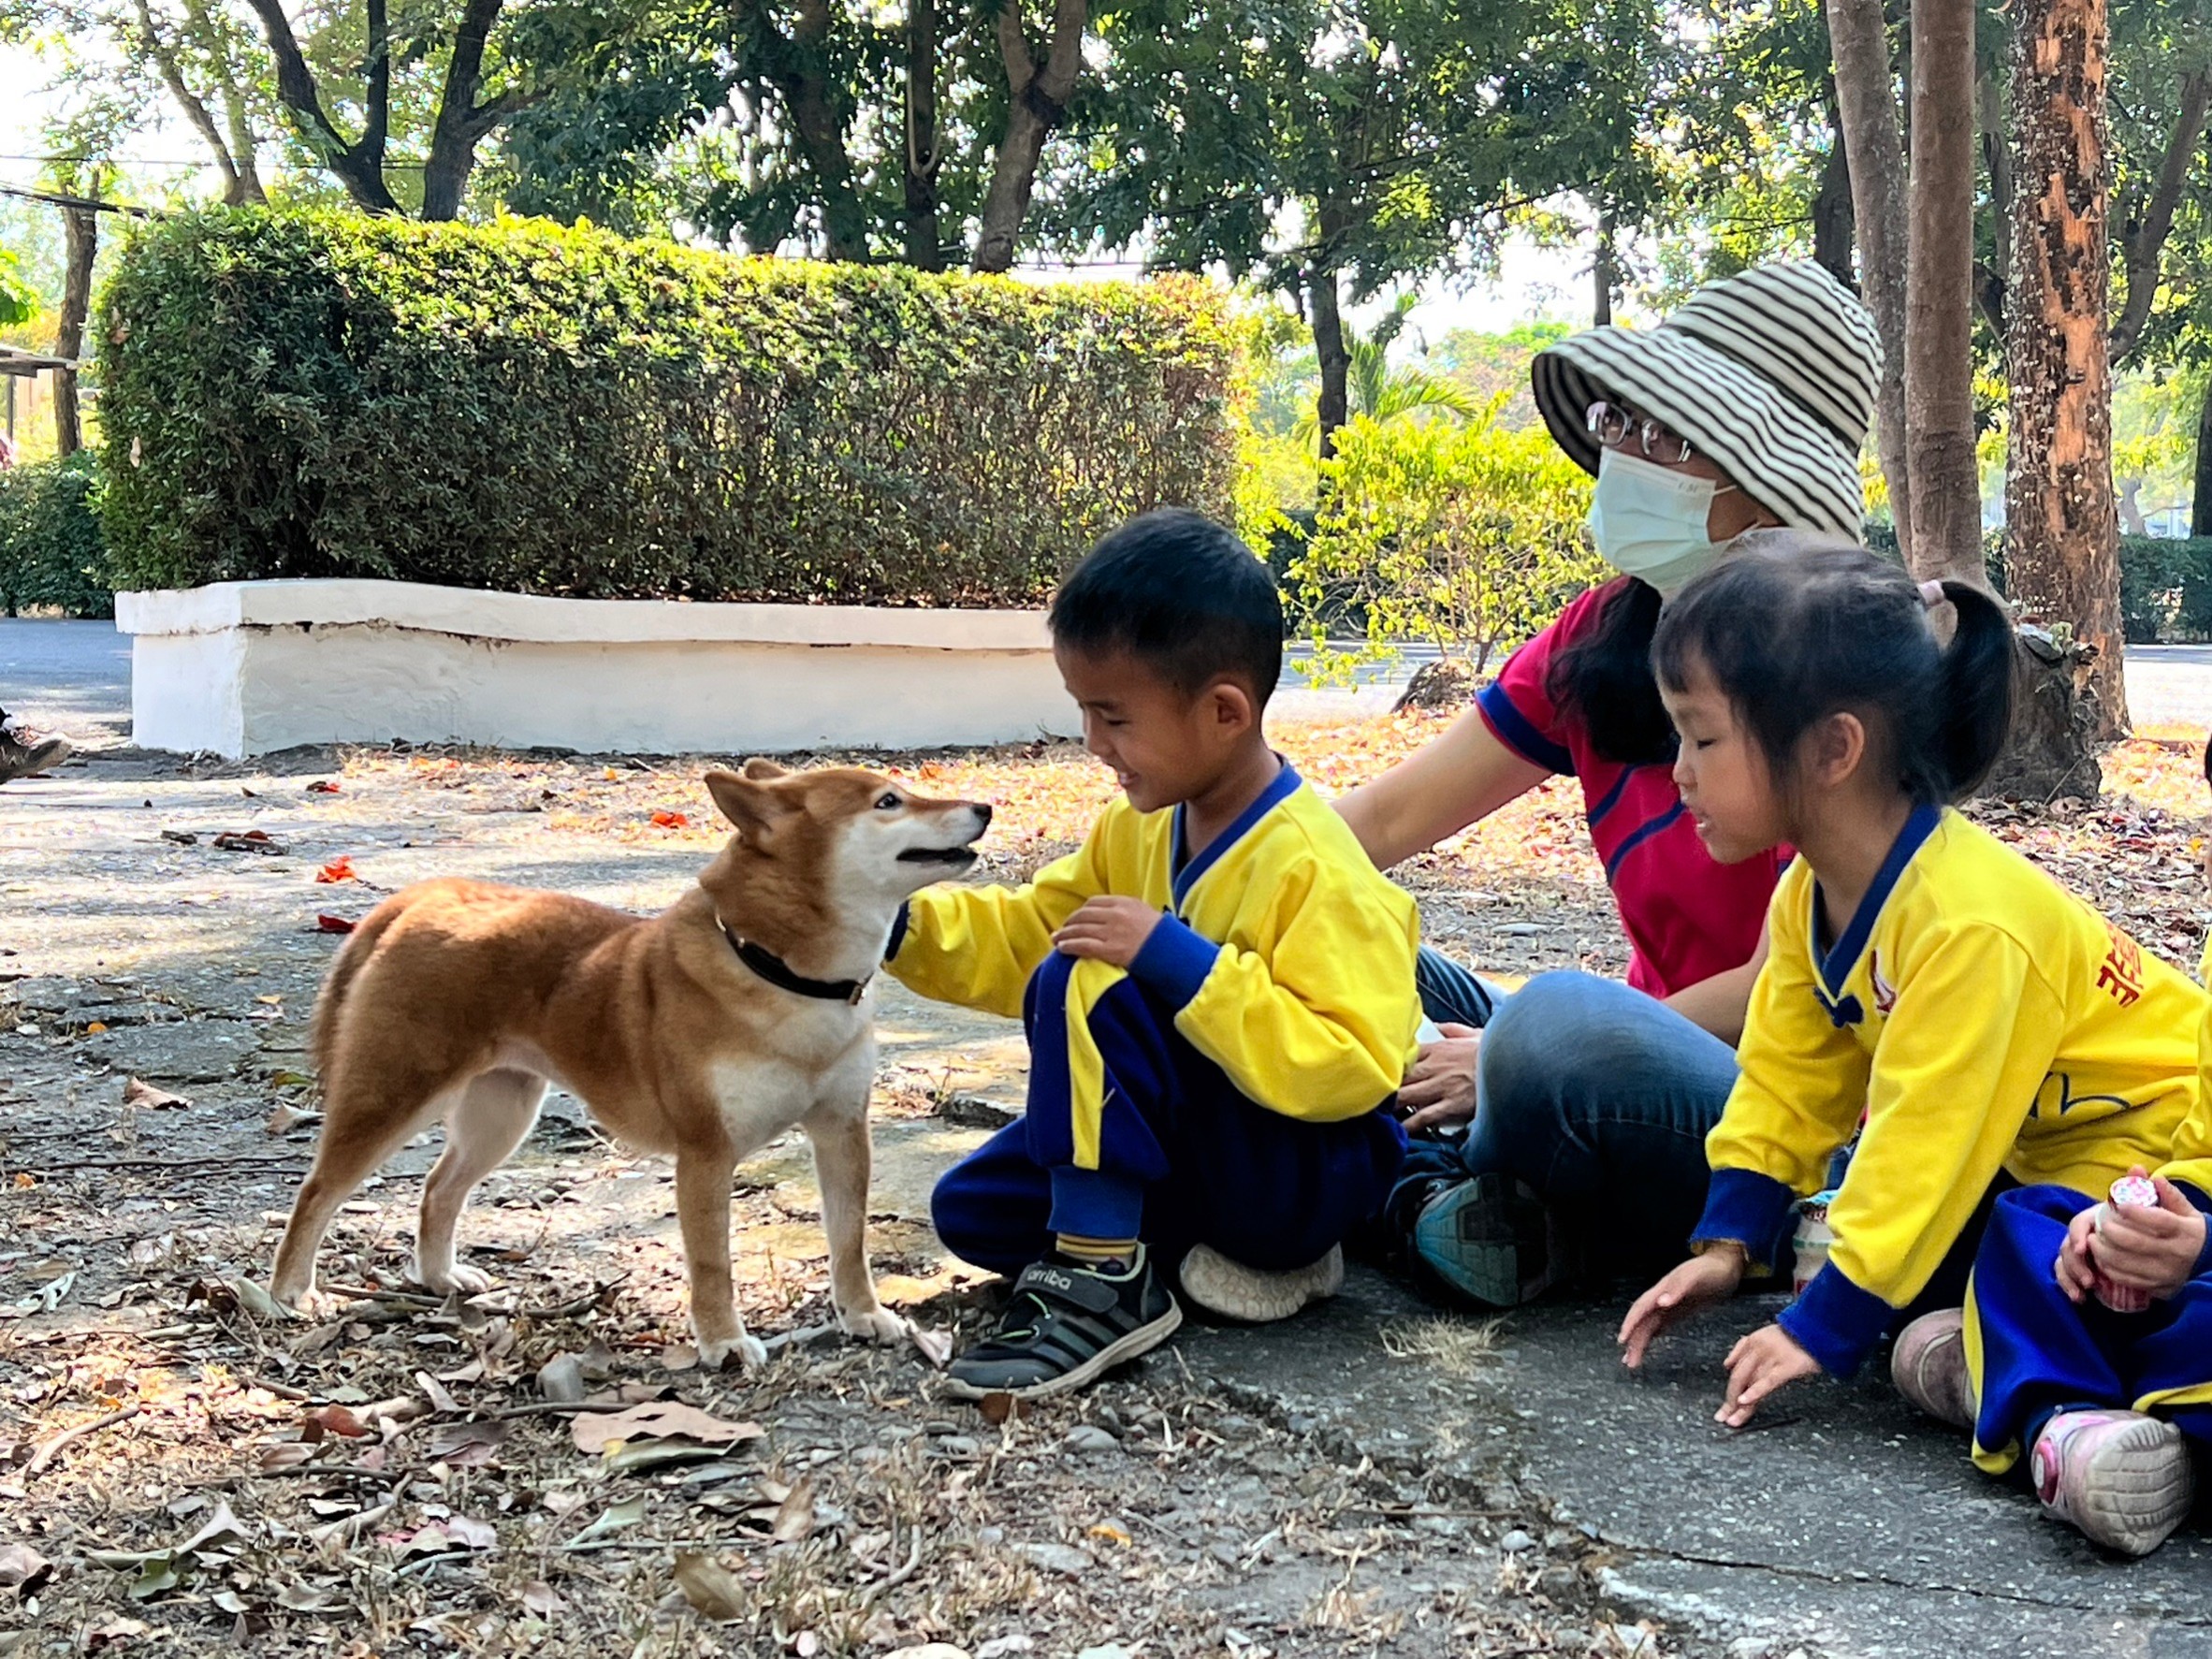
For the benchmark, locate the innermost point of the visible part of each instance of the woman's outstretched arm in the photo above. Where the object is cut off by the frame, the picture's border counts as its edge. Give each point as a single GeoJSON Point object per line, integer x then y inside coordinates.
{"type": "Point", "coordinates": [1437, 790]}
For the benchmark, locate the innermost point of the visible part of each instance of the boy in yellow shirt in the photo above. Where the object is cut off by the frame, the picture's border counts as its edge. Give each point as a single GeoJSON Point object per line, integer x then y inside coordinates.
{"type": "Point", "coordinates": [1217, 986]}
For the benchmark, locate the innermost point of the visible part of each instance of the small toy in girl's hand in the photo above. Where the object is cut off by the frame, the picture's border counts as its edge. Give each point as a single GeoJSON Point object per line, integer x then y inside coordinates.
{"type": "Point", "coordinates": [1815, 1235]}
{"type": "Point", "coordinates": [2128, 1192]}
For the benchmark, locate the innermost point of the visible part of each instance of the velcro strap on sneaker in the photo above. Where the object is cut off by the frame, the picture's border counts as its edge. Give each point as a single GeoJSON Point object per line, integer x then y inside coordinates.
{"type": "Point", "coordinates": [1049, 1282]}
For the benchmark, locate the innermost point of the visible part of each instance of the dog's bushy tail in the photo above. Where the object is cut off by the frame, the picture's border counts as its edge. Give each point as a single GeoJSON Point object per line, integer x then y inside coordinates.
{"type": "Point", "coordinates": [322, 1029]}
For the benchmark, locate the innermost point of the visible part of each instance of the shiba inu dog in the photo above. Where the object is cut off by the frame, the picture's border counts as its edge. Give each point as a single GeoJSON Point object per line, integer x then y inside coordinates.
{"type": "Point", "coordinates": [704, 1032]}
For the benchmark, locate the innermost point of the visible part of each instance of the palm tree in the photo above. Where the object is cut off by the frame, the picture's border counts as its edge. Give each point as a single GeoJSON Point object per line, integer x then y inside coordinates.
{"type": "Point", "coordinates": [1383, 393]}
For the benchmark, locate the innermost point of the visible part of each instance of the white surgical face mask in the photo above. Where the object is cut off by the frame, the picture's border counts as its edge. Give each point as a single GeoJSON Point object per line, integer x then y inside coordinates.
{"type": "Point", "coordinates": [1648, 520]}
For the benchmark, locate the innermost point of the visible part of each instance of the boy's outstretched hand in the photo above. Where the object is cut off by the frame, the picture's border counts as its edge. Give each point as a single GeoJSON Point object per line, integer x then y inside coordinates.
{"type": "Point", "coordinates": [1111, 928]}
{"type": "Point", "coordinates": [1706, 1279]}
{"type": "Point", "coordinates": [2140, 1248]}
{"type": "Point", "coordinates": [1760, 1364]}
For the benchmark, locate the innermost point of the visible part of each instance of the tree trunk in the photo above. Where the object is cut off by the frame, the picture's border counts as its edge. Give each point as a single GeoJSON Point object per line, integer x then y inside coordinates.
{"type": "Point", "coordinates": [1337, 362]}
{"type": "Point", "coordinates": [1866, 111]}
{"type": "Point", "coordinates": [2062, 553]}
{"type": "Point", "coordinates": [1990, 281]}
{"type": "Point", "coordinates": [1939, 298]}
{"type": "Point", "coordinates": [463, 123]}
{"type": "Point", "coordinates": [925, 242]}
{"type": "Point", "coordinates": [80, 230]}
{"type": "Point", "coordinates": [1604, 270]}
{"type": "Point", "coordinates": [797, 66]}
{"type": "Point", "coordinates": [2200, 496]}
{"type": "Point", "coordinates": [2143, 236]}
{"type": "Point", "coordinates": [1038, 90]}
{"type": "Point", "coordinates": [1833, 233]}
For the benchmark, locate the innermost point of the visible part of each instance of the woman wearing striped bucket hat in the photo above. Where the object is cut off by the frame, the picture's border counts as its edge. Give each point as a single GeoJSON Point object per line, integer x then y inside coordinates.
{"type": "Point", "coordinates": [1585, 1101]}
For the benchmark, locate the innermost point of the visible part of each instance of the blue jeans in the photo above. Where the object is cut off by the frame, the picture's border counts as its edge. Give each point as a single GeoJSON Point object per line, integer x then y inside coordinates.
{"type": "Point", "coordinates": [1596, 1096]}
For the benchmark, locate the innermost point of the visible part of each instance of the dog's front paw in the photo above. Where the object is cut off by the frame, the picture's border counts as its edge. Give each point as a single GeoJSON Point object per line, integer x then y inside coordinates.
{"type": "Point", "coordinates": [455, 1280]}
{"type": "Point", "coordinates": [751, 1351]}
{"type": "Point", "coordinates": [874, 1324]}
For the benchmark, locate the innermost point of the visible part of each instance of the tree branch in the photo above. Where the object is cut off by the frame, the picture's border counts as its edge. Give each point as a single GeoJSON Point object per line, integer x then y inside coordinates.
{"type": "Point", "coordinates": [359, 166]}
{"type": "Point", "coordinates": [196, 109]}
{"type": "Point", "coordinates": [462, 122]}
{"type": "Point", "coordinates": [2143, 242]}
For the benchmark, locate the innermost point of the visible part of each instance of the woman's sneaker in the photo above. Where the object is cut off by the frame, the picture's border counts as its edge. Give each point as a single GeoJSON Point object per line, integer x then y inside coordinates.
{"type": "Point", "coordinates": [2123, 1479]}
{"type": "Point", "coordinates": [1492, 1239]}
{"type": "Point", "coordinates": [1068, 1325]}
{"type": "Point", "coordinates": [1928, 1366]}
{"type": "Point", "coordinates": [1252, 1294]}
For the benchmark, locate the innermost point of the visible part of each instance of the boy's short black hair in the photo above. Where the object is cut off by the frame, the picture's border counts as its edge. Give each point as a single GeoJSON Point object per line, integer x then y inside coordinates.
{"type": "Point", "coordinates": [1182, 594]}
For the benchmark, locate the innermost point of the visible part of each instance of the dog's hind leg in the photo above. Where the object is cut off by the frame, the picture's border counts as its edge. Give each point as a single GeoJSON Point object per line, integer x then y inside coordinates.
{"type": "Point", "coordinates": [363, 1125]}
{"type": "Point", "coordinates": [485, 1124]}
{"type": "Point", "coordinates": [842, 1157]}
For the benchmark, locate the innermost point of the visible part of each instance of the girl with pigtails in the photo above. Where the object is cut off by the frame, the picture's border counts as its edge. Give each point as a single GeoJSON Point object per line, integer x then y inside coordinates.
{"type": "Point", "coordinates": [2014, 1056]}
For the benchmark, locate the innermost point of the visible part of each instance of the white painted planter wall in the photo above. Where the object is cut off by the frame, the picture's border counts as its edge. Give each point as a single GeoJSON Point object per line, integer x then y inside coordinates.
{"type": "Point", "coordinates": [245, 668]}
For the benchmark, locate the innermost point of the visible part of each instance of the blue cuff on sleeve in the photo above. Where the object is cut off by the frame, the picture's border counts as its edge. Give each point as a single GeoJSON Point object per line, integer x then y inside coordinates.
{"type": "Point", "coordinates": [1519, 733]}
{"type": "Point", "coordinates": [1837, 1322]}
{"type": "Point", "coordinates": [2204, 1206]}
{"type": "Point", "coordinates": [1175, 960]}
{"type": "Point", "coordinates": [1751, 1209]}
{"type": "Point", "coordinates": [898, 930]}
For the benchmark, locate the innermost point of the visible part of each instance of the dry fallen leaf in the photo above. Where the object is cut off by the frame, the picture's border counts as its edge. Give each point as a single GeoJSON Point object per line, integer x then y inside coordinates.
{"type": "Point", "coordinates": [541, 1598]}
{"type": "Point", "coordinates": [934, 1345]}
{"type": "Point", "coordinates": [22, 1568]}
{"type": "Point", "coordinates": [136, 1091]}
{"type": "Point", "coordinates": [999, 1408]}
{"type": "Point", "coordinates": [334, 1419]}
{"type": "Point", "coordinates": [794, 1516]}
{"type": "Point", "coordinates": [655, 1421]}
{"type": "Point", "coordinates": [285, 1119]}
{"type": "Point", "coordinates": [339, 869]}
{"type": "Point", "coordinates": [711, 1587]}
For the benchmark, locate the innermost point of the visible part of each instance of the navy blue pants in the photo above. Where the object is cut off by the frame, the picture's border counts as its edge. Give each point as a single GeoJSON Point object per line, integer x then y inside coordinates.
{"type": "Point", "coordinates": [1161, 1146]}
{"type": "Point", "coordinates": [2032, 1351]}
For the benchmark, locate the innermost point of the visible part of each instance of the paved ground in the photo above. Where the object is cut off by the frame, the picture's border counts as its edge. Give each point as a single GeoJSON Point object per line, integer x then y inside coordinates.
{"type": "Point", "coordinates": [1537, 1483]}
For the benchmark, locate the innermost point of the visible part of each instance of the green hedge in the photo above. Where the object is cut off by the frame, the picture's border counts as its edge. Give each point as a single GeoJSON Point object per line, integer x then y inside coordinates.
{"type": "Point", "coordinates": [2165, 584]}
{"type": "Point", "coordinates": [519, 407]}
{"type": "Point", "coordinates": [2165, 587]}
{"type": "Point", "coordinates": [50, 549]}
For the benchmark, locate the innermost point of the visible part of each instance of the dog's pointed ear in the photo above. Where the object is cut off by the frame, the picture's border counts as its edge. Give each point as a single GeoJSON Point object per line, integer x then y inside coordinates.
{"type": "Point", "coordinates": [755, 806]}
{"type": "Point", "coordinates": [760, 770]}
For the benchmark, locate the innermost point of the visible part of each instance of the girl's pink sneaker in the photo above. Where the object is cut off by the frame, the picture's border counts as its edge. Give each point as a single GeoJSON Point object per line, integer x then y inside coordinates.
{"type": "Point", "coordinates": [2123, 1479]}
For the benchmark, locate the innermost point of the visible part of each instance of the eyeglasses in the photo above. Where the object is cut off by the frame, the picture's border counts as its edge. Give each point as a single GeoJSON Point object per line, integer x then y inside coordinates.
{"type": "Point", "coordinates": [1612, 425]}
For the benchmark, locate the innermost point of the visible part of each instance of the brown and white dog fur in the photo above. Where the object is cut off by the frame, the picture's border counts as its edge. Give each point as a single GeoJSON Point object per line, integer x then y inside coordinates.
{"type": "Point", "coordinates": [461, 1000]}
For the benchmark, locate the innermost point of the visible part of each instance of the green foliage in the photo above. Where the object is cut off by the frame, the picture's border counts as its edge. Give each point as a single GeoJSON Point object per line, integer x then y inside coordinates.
{"type": "Point", "coordinates": [50, 549]}
{"type": "Point", "coordinates": [19, 300]}
{"type": "Point", "coordinates": [1466, 537]}
{"type": "Point", "coordinates": [2165, 588]}
{"type": "Point", "coordinates": [524, 408]}
{"type": "Point", "coordinates": [1384, 392]}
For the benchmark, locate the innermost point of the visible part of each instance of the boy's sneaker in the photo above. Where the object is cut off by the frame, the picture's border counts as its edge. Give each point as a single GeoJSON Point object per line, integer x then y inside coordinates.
{"type": "Point", "coordinates": [2123, 1479]}
{"type": "Point", "coordinates": [1492, 1239]}
{"type": "Point", "coordinates": [1252, 1294]}
{"type": "Point", "coordinates": [24, 753]}
{"type": "Point", "coordinates": [1928, 1366]}
{"type": "Point", "coordinates": [1068, 1325]}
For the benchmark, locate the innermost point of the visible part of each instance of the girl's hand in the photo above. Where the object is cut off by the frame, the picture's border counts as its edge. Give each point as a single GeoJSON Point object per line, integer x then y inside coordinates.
{"type": "Point", "coordinates": [1765, 1360]}
{"type": "Point", "coordinates": [1706, 1279]}
{"type": "Point", "coordinates": [2147, 1250]}
{"type": "Point", "coordinates": [1111, 928]}
{"type": "Point", "coordinates": [1439, 1086]}
{"type": "Point", "coordinates": [2074, 1271]}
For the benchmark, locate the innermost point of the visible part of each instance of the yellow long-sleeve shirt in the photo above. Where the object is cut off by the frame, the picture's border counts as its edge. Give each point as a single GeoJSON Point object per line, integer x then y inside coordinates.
{"type": "Point", "coordinates": [1982, 1018]}
{"type": "Point", "coordinates": [1287, 959]}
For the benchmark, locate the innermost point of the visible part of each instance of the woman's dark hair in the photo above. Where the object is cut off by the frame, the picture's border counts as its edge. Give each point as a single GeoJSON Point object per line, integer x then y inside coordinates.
{"type": "Point", "coordinates": [1794, 630]}
{"type": "Point", "coordinates": [1604, 679]}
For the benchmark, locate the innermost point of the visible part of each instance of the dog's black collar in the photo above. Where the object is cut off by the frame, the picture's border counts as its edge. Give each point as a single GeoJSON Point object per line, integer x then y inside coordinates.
{"type": "Point", "coordinates": [778, 974]}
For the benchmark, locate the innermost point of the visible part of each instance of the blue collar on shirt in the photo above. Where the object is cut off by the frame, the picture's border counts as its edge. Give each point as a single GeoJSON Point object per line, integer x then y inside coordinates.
{"type": "Point", "coordinates": [1186, 873]}
{"type": "Point", "coordinates": [1842, 957]}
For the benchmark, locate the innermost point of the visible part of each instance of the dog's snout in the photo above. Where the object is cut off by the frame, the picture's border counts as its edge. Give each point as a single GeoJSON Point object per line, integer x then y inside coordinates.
{"type": "Point", "coordinates": [982, 815]}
